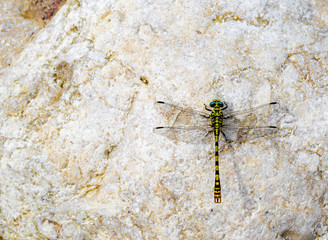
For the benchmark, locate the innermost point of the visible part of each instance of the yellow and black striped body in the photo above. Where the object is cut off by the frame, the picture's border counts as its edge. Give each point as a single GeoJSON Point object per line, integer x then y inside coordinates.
{"type": "Point", "coordinates": [217, 123]}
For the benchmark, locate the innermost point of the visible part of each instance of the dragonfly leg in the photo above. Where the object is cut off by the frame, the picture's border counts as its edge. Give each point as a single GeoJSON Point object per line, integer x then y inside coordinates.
{"type": "Point", "coordinates": [207, 108]}
{"type": "Point", "coordinates": [208, 133]}
{"type": "Point", "coordinates": [224, 136]}
{"type": "Point", "coordinates": [225, 106]}
{"type": "Point", "coordinates": [206, 116]}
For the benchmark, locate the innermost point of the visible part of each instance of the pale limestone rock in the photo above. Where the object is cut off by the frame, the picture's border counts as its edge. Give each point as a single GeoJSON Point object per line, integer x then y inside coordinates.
{"type": "Point", "coordinates": [79, 159]}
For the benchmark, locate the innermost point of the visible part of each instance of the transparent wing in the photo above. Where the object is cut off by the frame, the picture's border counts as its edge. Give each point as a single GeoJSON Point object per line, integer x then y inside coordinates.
{"type": "Point", "coordinates": [250, 124]}
{"type": "Point", "coordinates": [258, 111]}
{"type": "Point", "coordinates": [191, 134]}
{"type": "Point", "coordinates": [194, 126]}
{"type": "Point", "coordinates": [244, 134]}
{"type": "Point", "coordinates": [178, 116]}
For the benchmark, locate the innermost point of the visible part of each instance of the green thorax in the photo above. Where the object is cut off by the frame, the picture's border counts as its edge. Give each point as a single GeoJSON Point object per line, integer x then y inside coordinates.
{"type": "Point", "coordinates": [216, 117]}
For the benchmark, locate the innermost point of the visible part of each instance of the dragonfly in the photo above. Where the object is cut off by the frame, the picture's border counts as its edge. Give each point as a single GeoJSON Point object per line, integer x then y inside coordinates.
{"type": "Point", "coordinates": [194, 126]}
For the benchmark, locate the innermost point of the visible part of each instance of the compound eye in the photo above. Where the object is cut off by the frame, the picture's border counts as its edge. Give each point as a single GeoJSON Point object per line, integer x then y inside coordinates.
{"type": "Point", "coordinates": [221, 104]}
{"type": "Point", "coordinates": [212, 104]}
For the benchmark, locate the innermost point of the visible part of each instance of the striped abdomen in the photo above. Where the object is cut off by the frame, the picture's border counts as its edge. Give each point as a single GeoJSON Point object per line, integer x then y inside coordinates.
{"type": "Point", "coordinates": [217, 123]}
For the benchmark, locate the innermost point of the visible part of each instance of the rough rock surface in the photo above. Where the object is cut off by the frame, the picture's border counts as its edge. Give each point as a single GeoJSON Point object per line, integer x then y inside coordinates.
{"type": "Point", "coordinates": [79, 159]}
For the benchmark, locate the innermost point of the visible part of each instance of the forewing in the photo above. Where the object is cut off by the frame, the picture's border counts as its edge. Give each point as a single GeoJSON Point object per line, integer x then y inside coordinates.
{"type": "Point", "coordinates": [191, 134]}
{"type": "Point", "coordinates": [253, 115]}
{"type": "Point", "coordinates": [182, 117]}
{"type": "Point", "coordinates": [251, 123]}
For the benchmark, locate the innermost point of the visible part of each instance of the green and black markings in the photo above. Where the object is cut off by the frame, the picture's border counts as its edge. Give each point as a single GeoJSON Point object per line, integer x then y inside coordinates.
{"type": "Point", "coordinates": [217, 124]}
{"type": "Point", "coordinates": [194, 126]}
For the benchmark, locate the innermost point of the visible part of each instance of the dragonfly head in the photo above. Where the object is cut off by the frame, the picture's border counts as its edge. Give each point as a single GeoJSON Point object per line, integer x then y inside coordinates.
{"type": "Point", "coordinates": [216, 103]}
